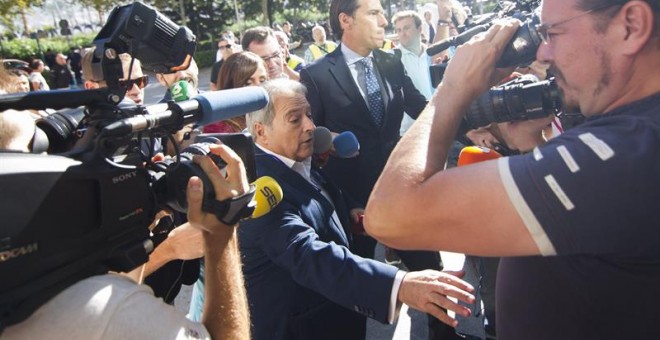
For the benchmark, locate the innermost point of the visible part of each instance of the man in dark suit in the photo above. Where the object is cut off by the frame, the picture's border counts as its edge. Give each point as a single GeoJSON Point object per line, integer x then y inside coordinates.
{"type": "Point", "coordinates": [362, 89]}
{"type": "Point", "coordinates": [302, 280]}
{"type": "Point", "coordinates": [340, 100]}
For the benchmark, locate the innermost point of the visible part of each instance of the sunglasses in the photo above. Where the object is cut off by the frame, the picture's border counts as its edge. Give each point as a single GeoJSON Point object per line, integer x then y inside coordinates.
{"type": "Point", "coordinates": [141, 82]}
{"type": "Point", "coordinates": [222, 47]}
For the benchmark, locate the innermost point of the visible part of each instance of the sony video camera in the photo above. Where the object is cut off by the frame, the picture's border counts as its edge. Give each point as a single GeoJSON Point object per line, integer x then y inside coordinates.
{"type": "Point", "coordinates": [86, 210]}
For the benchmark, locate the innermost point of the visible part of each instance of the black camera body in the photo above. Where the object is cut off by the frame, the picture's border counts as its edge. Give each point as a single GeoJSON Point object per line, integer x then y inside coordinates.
{"type": "Point", "coordinates": [522, 98]}
{"type": "Point", "coordinates": [62, 222]}
{"type": "Point", "coordinates": [87, 210]}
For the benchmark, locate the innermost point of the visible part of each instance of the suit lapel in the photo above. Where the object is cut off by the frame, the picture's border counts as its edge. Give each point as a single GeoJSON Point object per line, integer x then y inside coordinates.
{"type": "Point", "coordinates": [383, 65]}
{"type": "Point", "coordinates": [345, 82]}
{"type": "Point", "coordinates": [294, 179]}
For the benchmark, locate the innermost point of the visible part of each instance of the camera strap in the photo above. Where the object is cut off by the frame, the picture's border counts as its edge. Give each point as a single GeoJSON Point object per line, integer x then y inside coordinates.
{"type": "Point", "coordinates": [232, 210]}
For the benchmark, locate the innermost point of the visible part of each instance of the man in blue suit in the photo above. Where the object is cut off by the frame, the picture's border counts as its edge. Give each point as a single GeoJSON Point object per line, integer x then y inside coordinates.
{"type": "Point", "coordinates": [361, 89]}
{"type": "Point", "coordinates": [302, 280]}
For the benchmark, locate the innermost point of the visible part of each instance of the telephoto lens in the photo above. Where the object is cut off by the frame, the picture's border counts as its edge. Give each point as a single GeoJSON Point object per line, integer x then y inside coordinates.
{"type": "Point", "coordinates": [170, 188]}
{"type": "Point", "coordinates": [520, 99]}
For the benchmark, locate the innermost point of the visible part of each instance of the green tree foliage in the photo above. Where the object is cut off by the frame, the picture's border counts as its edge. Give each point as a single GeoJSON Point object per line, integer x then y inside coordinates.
{"type": "Point", "coordinates": [11, 8]}
{"type": "Point", "coordinates": [100, 6]}
{"type": "Point", "coordinates": [205, 18]}
{"type": "Point", "coordinates": [26, 49]}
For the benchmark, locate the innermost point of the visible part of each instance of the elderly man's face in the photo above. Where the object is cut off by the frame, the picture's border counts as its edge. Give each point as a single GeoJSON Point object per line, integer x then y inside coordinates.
{"type": "Point", "coordinates": [271, 52]}
{"type": "Point", "coordinates": [291, 133]}
{"type": "Point", "coordinates": [318, 35]}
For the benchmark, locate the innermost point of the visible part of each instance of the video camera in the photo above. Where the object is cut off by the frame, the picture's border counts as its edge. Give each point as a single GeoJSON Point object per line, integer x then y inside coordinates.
{"type": "Point", "coordinates": [521, 49]}
{"type": "Point", "coordinates": [87, 210]}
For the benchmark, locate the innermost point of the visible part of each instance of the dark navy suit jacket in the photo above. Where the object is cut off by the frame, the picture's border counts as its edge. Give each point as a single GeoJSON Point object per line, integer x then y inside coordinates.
{"type": "Point", "coordinates": [338, 105]}
{"type": "Point", "coordinates": [302, 281]}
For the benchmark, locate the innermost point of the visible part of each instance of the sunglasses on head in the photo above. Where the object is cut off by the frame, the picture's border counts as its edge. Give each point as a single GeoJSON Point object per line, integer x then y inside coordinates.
{"type": "Point", "coordinates": [141, 82]}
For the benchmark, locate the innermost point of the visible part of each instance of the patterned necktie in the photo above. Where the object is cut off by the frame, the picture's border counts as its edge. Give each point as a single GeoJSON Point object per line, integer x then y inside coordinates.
{"type": "Point", "coordinates": [374, 97]}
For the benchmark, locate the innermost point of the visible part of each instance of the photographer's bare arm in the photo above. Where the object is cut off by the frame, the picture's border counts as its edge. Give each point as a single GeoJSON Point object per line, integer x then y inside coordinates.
{"type": "Point", "coordinates": [417, 205]}
{"type": "Point", "coordinates": [225, 309]}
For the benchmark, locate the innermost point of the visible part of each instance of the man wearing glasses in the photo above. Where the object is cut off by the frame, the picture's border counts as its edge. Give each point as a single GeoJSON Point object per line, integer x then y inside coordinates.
{"type": "Point", "coordinates": [576, 218]}
{"type": "Point", "coordinates": [261, 41]}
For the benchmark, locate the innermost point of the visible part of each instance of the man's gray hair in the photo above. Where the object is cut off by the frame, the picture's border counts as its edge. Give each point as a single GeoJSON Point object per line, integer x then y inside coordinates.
{"type": "Point", "coordinates": [275, 88]}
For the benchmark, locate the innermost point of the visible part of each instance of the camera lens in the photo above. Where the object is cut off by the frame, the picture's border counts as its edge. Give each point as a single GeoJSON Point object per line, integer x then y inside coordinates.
{"type": "Point", "coordinates": [59, 128]}
{"type": "Point", "coordinates": [520, 99]}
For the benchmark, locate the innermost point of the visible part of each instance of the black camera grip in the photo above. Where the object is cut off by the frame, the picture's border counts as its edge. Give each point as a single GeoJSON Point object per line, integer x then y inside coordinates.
{"type": "Point", "coordinates": [232, 210]}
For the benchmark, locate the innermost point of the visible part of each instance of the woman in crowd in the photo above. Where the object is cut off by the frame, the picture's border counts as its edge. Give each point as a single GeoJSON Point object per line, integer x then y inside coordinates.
{"type": "Point", "coordinates": [239, 70]}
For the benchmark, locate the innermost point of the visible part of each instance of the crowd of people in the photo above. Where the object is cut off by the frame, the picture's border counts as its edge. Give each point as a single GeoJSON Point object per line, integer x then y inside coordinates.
{"type": "Point", "coordinates": [560, 226]}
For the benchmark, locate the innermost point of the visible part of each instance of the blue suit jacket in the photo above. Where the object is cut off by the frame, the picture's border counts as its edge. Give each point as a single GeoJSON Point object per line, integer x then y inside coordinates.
{"type": "Point", "coordinates": [302, 281]}
{"type": "Point", "coordinates": [337, 104]}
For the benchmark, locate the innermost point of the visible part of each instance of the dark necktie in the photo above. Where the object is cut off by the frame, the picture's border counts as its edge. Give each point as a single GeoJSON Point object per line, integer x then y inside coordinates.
{"type": "Point", "coordinates": [374, 97]}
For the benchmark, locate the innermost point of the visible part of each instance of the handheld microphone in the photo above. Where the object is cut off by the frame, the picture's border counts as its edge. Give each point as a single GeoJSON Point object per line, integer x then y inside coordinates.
{"type": "Point", "coordinates": [476, 154]}
{"type": "Point", "coordinates": [346, 145]}
{"type": "Point", "coordinates": [456, 40]}
{"type": "Point", "coordinates": [181, 90]}
{"type": "Point", "coordinates": [268, 195]}
{"type": "Point", "coordinates": [204, 109]}
{"type": "Point", "coordinates": [322, 140]}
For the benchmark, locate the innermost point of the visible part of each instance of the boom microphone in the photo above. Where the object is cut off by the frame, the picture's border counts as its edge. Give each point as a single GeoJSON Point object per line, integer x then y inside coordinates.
{"type": "Point", "coordinates": [456, 40]}
{"type": "Point", "coordinates": [204, 109]}
{"type": "Point", "coordinates": [268, 195]}
{"type": "Point", "coordinates": [476, 154]}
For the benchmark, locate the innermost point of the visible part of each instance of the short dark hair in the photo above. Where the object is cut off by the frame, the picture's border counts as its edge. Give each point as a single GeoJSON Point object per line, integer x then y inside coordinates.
{"type": "Point", "coordinates": [607, 13]}
{"type": "Point", "coordinates": [337, 7]}
{"type": "Point", "coordinates": [258, 34]}
{"type": "Point", "coordinates": [35, 63]}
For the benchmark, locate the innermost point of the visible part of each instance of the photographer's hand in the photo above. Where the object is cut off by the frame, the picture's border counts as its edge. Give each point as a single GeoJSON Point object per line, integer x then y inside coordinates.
{"type": "Point", "coordinates": [226, 313]}
{"type": "Point", "coordinates": [429, 291]}
{"type": "Point", "coordinates": [475, 61]}
{"type": "Point", "coordinates": [445, 218]}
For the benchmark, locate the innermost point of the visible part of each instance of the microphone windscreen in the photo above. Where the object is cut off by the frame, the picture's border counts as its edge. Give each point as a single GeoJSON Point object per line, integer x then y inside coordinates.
{"type": "Point", "coordinates": [180, 91]}
{"type": "Point", "coordinates": [226, 104]}
{"type": "Point", "coordinates": [475, 154]}
{"type": "Point", "coordinates": [268, 195]}
{"type": "Point", "coordinates": [322, 140]}
{"type": "Point", "coordinates": [346, 145]}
